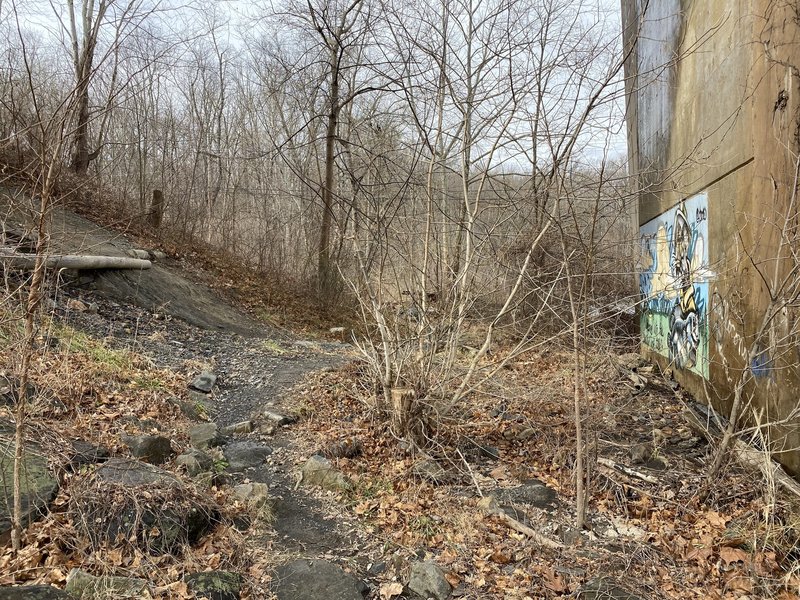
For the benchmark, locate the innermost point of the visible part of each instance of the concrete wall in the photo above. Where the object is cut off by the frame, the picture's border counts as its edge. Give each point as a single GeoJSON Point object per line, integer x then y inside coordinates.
{"type": "Point", "coordinates": [713, 92]}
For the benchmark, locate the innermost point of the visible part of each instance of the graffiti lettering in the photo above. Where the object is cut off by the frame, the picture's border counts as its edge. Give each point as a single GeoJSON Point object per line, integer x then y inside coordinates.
{"type": "Point", "coordinates": [674, 284]}
{"type": "Point", "coordinates": [701, 214]}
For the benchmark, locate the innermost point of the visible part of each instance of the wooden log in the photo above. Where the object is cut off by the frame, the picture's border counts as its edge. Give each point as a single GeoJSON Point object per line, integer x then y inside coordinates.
{"type": "Point", "coordinates": [74, 261]}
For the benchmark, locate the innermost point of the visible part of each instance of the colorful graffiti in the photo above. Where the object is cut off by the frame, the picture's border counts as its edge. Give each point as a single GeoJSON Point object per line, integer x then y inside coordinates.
{"type": "Point", "coordinates": [673, 281]}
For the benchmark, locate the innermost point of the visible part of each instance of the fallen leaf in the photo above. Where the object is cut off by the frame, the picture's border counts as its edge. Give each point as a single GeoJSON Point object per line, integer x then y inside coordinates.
{"type": "Point", "coordinates": [390, 590]}
{"type": "Point", "coordinates": [730, 555]}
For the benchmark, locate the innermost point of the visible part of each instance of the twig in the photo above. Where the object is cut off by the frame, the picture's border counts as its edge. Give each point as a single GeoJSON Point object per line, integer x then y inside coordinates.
{"type": "Point", "coordinates": [488, 505]}
{"type": "Point", "coordinates": [471, 474]}
{"type": "Point", "coordinates": [626, 470]}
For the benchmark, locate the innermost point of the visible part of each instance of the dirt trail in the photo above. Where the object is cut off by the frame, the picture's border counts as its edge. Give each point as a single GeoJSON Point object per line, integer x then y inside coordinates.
{"type": "Point", "coordinates": [163, 314]}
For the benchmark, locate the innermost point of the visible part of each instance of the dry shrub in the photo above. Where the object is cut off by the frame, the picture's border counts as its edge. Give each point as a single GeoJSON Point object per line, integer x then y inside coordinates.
{"type": "Point", "coordinates": [160, 515]}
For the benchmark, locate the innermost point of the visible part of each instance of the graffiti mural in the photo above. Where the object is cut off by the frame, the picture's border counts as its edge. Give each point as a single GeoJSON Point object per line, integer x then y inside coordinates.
{"type": "Point", "coordinates": [673, 281]}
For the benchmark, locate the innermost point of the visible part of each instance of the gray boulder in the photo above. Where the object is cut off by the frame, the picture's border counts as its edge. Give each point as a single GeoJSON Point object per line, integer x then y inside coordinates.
{"type": "Point", "coordinates": [153, 507]}
{"type": "Point", "coordinates": [194, 461]}
{"type": "Point", "coordinates": [427, 580]}
{"type": "Point", "coordinates": [319, 471]}
{"type": "Point", "coordinates": [39, 487]}
{"type": "Point", "coordinates": [85, 453]}
{"type": "Point", "coordinates": [204, 436]}
{"type": "Point", "coordinates": [532, 492]}
{"type": "Point", "coordinates": [204, 382]}
{"type": "Point", "coordinates": [154, 449]}
{"type": "Point", "coordinates": [215, 585]}
{"type": "Point", "coordinates": [314, 580]}
{"type": "Point", "coordinates": [32, 592]}
{"type": "Point", "coordinates": [83, 586]}
{"type": "Point", "coordinates": [245, 455]}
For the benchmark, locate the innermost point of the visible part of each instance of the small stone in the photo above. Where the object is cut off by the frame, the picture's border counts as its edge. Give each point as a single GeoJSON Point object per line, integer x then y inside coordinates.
{"type": "Point", "coordinates": [84, 586]}
{"type": "Point", "coordinates": [241, 428]}
{"type": "Point", "coordinates": [277, 418]}
{"type": "Point", "coordinates": [430, 470]}
{"type": "Point", "coordinates": [641, 453]}
{"type": "Point", "coordinates": [376, 569]}
{"type": "Point", "coordinates": [215, 585]}
{"type": "Point", "coordinates": [195, 462]}
{"type": "Point", "coordinates": [204, 435]}
{"type": "Point", "coordinates": [204, 382]}
{"type": "Point", "coordinates": [253, 494]}
{"type": "Point", "coordinates": [76, 305]}
{"type": "Point", "coordinates": [138, 253]}
{"type": "Point", "coordinates": [158, 254]}
{"type": "Point", "coordinates": [245, 455]}
{"type": "Point", "coordinates": [154, 449]}
{"type": "Point", "coordinates": [427, 580]}
{"type": "Point", "coordinates": [319, 471]}
{"type": "Point", "coordinates": [526, 434]}
{"type": "Point", "coordinates": [314, 579]}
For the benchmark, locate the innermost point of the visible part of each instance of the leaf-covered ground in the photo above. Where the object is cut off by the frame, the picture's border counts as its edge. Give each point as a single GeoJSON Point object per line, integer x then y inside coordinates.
{"type": "Point", "coordinates": [649, 532]}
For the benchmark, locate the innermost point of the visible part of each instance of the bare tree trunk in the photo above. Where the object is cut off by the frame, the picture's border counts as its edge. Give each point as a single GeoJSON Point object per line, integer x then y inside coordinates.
{"type": "Point", "coordinates": [156, 213]}
{"type": "Point", "coordinates": [27, 351]}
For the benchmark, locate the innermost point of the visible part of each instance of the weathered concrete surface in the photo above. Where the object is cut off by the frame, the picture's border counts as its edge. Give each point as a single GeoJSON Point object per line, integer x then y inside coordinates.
{"type": "Point", "coordinates": [714, 113]}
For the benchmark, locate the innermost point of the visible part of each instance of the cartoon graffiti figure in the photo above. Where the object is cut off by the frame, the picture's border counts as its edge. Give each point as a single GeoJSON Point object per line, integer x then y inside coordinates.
{"type": "Point", "coordinates": [684, 322]}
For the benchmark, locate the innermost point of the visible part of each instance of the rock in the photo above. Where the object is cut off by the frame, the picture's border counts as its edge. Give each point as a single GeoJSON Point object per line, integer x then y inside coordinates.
{"type": "Point", "coordinates": [155, 449]}
{"type": "Point", "coordinates": [641, 453]}
{"type": "Point", "coordinates": [204, 382]}
{"type": "Point", "coordinates": [39, 487]}
{"type": "Point", "coordinates": [319, 471]}
{"type": "Point", "coordinates": [526, 434]}
{"type": "Point", "coordinates": [245, 455]}
{"type": "Point", "coordinates": [194, 461]}
{"type": "Point", "coordinates": [346, 448]}
{"type": "Point", "coordinates": [138, 253]}
{"type": "Point", "coordinates": [602, 588]}
{"type": "Point", "coordinates": [277, 418]}
{"type": "Point", "coordinates": [314, 580]}
{"type": "Point", "coordinates": [252, 494]}
{"type": "Point", "coordinates": [150, 507]}
{"type": "Point", "coordinates": [127, 472]}
{"type": "Point", "coordinates": [204, 436]}
{"type": "Point", "coordinates": [32, 592]}
{"type": "Point", "coordinates": [76, 305]}
{"type": "Point", "coordinates": [83, 586]}
{"type": "Point", "coordinates": [9, 390]}
{"type": "Point", "coordinates": [158, 255]}
{"type": "Point", "coordinates": [427, 581]}
{"type": "Point", "coordinates": [430, 470]}
{"type": "Point", "coordinates": [196, 411]}
{"type": "Point", "coordinates": [215, 585]}
{"type": "Point", "coordinates": [376, 569]}
{"type": "Point", "coordinates": [85, 453]}
{"type": "Point", "coordinates": [241, 428]}
{"type": "Point", "coordinates": [532, 492]}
